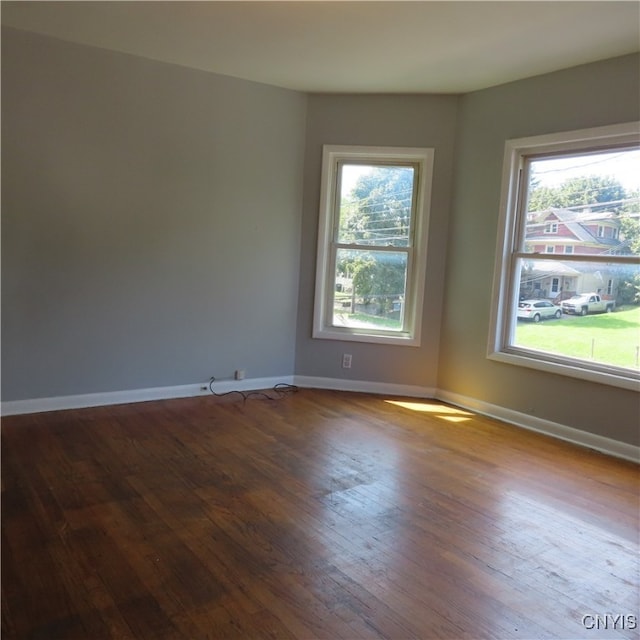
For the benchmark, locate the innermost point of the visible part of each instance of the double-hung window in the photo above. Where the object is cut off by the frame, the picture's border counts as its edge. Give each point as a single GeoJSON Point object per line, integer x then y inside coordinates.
{"type": "Point", "coordinates": [372, 243]}
{"type": "Point", "coordinates": [582, 182]}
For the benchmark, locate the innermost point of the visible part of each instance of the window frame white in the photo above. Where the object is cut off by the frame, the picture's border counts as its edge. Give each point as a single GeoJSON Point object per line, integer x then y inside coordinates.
{"type": "Point", "coordinates": [609, 288]}
{"type": "Point", "coordinates": [334, 156]}
{"type": "Point", "coordinates": [511, 219]}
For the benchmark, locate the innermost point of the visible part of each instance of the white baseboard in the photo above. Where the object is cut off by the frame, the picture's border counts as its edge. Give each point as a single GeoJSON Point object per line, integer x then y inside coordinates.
{"type": "Point", "coordinates": [38, 405]}
{"type": "Point", "coordinates": [363, 386]}
{"type": "Point", "coordinates": [547, 427]}
{"type": "Point", "coordinates": [516, 418]}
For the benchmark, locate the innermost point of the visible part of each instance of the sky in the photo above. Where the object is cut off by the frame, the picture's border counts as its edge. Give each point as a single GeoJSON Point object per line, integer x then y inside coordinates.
{"type": "Point", "coordinates": [624, 166]}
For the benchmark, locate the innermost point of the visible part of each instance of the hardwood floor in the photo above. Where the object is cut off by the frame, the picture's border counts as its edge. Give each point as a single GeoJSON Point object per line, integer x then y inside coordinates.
{"type": "Point", "coordinates": [321, 515]}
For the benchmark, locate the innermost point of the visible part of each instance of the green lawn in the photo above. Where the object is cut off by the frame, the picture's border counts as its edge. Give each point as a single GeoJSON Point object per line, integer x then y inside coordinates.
{"type": "Point", "coordinates": [608, 338]}
{"type": "Point", "coordinates": [364, 320]}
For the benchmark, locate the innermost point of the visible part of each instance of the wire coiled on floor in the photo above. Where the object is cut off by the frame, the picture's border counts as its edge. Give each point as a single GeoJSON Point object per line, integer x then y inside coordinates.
{"type": "Point", "coordinates": [278, 392]}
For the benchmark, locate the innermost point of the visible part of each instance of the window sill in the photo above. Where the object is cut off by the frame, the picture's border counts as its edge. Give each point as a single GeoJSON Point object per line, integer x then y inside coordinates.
{"type": "Point", "coordinates": [355, 335]}
{"type": "Point", "coordinates": [612, 378]}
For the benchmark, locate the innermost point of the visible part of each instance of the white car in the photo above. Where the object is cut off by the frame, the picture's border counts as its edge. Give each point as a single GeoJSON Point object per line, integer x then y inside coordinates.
{"type": "Point", "coordinates": [537, 310]}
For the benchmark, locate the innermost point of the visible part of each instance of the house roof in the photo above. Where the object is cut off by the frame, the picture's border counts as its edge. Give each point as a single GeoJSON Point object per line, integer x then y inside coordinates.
{"type": "Point", "coordinates": [575, 221]}
{"type": "Point", "coordinates": [551, 268]}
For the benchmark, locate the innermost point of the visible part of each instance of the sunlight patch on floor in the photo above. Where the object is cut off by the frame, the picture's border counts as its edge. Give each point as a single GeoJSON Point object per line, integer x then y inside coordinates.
{"type": "Point", "coordinates": [438, 410]}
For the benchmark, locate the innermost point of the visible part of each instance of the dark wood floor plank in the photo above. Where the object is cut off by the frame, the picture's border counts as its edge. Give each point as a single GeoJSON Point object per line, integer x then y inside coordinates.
{"type": "Point", "coordinates": [321, 515]}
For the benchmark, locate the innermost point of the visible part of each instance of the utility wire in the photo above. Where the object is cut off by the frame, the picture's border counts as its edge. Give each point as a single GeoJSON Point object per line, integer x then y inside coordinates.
{"type": "Point", "coordinates": [278, 392]}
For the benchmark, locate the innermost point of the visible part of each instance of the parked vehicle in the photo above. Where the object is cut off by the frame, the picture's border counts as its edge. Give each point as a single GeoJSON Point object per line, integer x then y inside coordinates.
{"type": "Point", "coordinates": [537, 310]}
{"type": "Point", "coordinates": [585, 303]}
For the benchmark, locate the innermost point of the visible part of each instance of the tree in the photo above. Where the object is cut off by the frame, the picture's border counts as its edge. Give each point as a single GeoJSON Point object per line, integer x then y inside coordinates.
{"type": "Point", "coordinates": [629, 290]}
{"type": "Point", "coordinates": [378, 209]}
{"type": "Point", "coordinates": [377, 213]}
{"type": "Point", "coordinates": [381, 280]}
{"type": "Point", "coordinates": [584, 190]}
{"type": "Point", "coordinates": [630, 221]}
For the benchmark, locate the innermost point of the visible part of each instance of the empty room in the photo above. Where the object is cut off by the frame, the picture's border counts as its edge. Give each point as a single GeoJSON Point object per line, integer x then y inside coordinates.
{"type": "Point", "coordinates": [320, 320]}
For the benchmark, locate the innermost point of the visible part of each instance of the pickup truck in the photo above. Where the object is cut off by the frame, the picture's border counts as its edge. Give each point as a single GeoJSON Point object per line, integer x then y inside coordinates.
{"type": "Point", "coordinates": [585, 303]}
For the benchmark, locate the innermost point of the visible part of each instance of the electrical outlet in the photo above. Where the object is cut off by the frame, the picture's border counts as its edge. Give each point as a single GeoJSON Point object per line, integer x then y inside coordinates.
{"type": "Point", "coordinates": [346, 361]}
{"type": "Point", "coordinates": [239, 374]}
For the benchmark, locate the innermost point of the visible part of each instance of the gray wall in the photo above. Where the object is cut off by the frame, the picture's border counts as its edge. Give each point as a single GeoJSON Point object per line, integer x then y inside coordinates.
{"type": "Point", "coordinates": [412, 121]}
{"type": "Point", "coordinates": [158, 227]}
{"type": "Point", "coordinates": [150, 222]}
{"type": "Point", "coordinates": [592, 95]}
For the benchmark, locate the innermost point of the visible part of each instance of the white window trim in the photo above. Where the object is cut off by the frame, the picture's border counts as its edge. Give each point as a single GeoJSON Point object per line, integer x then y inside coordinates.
{"type": "Point", "coordinates": [416, 272]}
{"type": "Point", "coordinates": [505, 289]}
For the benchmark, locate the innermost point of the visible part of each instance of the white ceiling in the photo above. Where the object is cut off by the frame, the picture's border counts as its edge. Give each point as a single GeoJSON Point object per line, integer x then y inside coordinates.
{"type": "Point", "coordinates": [389, 47]}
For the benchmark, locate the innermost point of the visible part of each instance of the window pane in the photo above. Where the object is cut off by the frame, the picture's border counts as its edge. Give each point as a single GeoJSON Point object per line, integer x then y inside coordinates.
{"type": "Point", "coordinates": [587, 204]}
{"type": "Point", "coordinates": [369, 289]}
{"type": "Point", "coordinates": [593, 315]}
{"type": "Point", "coordinates": [375, 205]}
